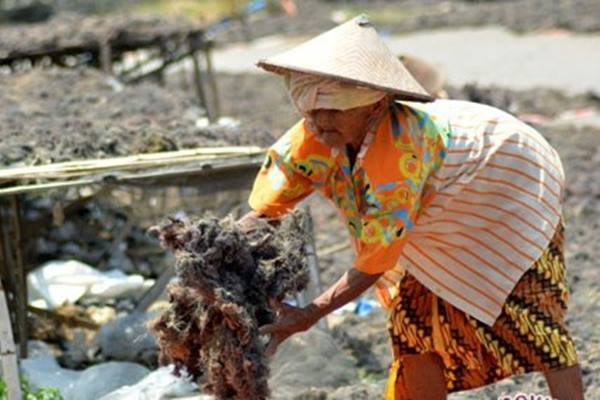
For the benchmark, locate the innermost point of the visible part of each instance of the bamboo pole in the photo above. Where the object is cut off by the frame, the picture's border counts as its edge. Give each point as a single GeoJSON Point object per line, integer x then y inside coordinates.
{"type": "Point", "coordinates": [82, 167]}
{"type": "Point", "coordinates": [205, 169]}
{"type": "Point", "coordinates": [8, 356]}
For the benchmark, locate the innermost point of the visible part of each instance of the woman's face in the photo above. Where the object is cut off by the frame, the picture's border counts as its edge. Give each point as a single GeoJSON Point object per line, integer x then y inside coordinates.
{"type": "Point", "coordinates": [338, 128]}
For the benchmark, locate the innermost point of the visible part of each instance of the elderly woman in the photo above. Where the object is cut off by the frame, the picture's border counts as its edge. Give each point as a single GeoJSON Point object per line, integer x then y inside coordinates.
{"type": "Point", "coordinates": [453, 208]}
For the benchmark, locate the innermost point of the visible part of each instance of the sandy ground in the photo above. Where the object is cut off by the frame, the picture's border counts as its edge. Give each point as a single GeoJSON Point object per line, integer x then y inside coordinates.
{"type": "Point", "coordinates": [488, 56]}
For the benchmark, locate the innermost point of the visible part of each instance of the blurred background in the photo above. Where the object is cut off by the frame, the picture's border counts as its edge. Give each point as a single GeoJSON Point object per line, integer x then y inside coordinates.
{"type": "Point", "coordinates": [116, 114]}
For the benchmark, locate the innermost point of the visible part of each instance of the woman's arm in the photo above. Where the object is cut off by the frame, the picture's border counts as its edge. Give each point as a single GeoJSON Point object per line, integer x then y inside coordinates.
{"type": "Point", "coordinates": [296, 319]}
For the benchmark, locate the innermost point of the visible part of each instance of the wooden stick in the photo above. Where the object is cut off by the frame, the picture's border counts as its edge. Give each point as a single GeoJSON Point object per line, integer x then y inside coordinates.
{"type": "Point", "coordinates": [323, 252]}
{"type": "Point", "coordinates": [314, 288]}
{"type": "Point", "coordinates": [21, 278]}
{"type": "Point", "coordinates": [8, 357]}
{"type": "Point", "coordinates": [156, 290]}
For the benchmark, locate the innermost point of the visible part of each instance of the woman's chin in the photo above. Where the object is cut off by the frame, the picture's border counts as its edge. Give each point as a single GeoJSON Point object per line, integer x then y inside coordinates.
{"type": "Point", "coordinates": [333, 140]}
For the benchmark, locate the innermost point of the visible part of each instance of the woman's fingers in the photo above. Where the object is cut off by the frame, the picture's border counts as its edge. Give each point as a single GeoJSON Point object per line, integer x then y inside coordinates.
{"type": "Point", "coordinates": [267, 329]}
{"type": "Point", "coordinates": [272, 347]}
{"type": "Point", "coordinates": [276, 305]}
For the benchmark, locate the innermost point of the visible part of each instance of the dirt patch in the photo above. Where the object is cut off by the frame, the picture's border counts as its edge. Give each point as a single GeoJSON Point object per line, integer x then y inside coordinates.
{"type": "Point", "coordinates": [226, 278]}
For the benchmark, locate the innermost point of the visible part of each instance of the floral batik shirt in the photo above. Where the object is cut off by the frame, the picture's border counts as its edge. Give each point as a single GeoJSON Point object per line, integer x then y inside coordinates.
{"type": "Point", "coordinates": [379, 196]}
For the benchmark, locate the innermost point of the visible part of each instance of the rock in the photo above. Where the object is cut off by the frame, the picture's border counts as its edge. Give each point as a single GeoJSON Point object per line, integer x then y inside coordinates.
{"type": "Point", "coordinates": [312, 394]}
{"type": "Point", "coordinates": [159, 384]}
{"type": "Point", "coordinates": [41, 371]}
{"type": "Point", "coordinates": [127, 339]}
{"type": "Point", "coordinates": [77, 353]}
{"type": "Point", "coordinates": [309, 359]}
{"type": "Point", "coordinates": [367, 340]}
{"type": "Point", "coordinates": [102, 379]}
{"type": "Point", "coordinates": [37, 348]}
{"type": "Point", "coordinates": [121, 262]}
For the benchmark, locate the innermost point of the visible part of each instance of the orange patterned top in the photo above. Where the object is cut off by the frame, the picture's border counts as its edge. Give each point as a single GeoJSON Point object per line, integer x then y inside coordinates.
{"type": "Point", "coordinates": [380, 195]}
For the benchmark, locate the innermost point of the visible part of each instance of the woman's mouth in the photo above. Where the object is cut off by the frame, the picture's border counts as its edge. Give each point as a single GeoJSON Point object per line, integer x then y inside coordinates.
{"type": "Point", "coordinates": [333, 139]}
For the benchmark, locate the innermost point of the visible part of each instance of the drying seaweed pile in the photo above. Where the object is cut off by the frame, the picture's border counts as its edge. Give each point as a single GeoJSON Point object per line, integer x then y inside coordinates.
{"type": "Point", "coordinates": [53, 115]}
{"type": "Point", "coordinates": [225, 279]}
{"type": "Point", "coordinates": [69, 31]}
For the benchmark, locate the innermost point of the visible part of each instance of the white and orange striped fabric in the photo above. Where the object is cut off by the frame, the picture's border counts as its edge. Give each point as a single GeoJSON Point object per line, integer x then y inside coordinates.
{"type": "Point", "coordinates": [488, 213]}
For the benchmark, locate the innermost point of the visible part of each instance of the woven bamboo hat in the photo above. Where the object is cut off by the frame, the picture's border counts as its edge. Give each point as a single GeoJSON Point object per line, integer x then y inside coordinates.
{"type": "Point", "coordinates": [353, 53]}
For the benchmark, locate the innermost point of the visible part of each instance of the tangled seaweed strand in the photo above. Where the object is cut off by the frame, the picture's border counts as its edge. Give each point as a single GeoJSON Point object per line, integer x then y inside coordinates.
{"type": "Point", "coordinates": [221, 297]}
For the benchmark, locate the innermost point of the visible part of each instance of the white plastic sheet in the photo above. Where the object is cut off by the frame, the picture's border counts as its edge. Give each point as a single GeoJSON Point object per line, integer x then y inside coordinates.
{"type": "Point", "coordinates": [58, 282]}
{"type": "Point", "coordinates": [158, 385]}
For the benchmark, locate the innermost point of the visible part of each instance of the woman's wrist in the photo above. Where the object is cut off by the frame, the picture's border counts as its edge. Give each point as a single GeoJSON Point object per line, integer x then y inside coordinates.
{"type": "Point", "coordinates": [351, 285]}
{"type": "Point", "coordinates": [314, 313]}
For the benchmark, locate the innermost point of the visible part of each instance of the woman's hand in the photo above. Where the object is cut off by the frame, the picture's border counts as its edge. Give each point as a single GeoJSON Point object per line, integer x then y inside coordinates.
{"type": "Point", "coordinates": [290, 320]}
{"type": "Point", "coordinates": [254, 220]}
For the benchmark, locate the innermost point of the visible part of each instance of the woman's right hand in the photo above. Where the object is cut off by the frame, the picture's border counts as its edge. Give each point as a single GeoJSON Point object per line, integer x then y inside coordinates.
{"type": "Point", "coordinates": [250, 221]}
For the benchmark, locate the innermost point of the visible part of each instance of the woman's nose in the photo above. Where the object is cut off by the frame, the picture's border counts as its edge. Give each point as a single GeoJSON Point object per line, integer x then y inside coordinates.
{"type": "Point", "coordinates": [321, 118]}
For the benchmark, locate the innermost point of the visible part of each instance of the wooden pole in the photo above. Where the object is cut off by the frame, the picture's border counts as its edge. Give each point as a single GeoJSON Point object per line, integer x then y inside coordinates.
{"type": "Point", "coordinates": [198, 80]}
{"type": "Point", "coordinates": [106, 55]}
{"type": "Point", "coordinates": [216, 102]}
{"type": "Point", "coordinates": [7, 267]}
{"type": "Point", "coordinates": [156, 290]}
{"type": "Point", "coordinates": [8, 356]}
{"type": "Point", "coordinates": [314, 288]}
{"type": "Point", "coordinates": [20, 277]}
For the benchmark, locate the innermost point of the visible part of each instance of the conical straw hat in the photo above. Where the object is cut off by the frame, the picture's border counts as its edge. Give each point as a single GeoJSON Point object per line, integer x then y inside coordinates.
{"type": "Point", "coordinates": [354, 53]}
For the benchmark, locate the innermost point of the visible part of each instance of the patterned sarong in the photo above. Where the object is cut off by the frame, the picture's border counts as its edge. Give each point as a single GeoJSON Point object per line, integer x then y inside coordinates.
{"type": "Point", "coordinates": [530, 334]}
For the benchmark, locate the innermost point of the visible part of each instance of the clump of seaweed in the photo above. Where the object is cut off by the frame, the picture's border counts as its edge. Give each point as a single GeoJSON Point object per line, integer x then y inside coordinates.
{"type": "Point", "coordinates": [226, 277]}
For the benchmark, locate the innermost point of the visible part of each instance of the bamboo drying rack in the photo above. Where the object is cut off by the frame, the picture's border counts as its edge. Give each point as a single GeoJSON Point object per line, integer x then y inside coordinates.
{"type": "Point", "coordinates": [210, 169]}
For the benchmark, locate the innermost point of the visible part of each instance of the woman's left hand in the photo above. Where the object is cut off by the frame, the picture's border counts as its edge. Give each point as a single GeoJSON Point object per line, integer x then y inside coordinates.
{"type": "Point", "coordinates": [289, 320]}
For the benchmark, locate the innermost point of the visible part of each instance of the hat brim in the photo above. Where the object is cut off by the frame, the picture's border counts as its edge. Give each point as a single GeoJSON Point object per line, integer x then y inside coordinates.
{"type": "Point", "coordinates": [399, 94]}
